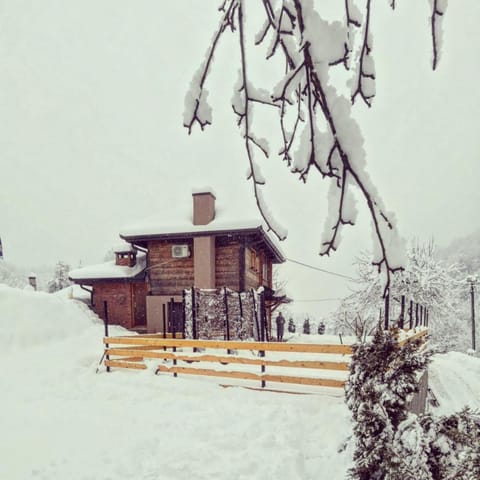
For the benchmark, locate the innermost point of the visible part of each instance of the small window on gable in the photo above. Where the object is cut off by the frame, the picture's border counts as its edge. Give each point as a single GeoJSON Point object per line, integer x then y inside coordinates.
{"type": "Point", "coordinates": [265, 271]}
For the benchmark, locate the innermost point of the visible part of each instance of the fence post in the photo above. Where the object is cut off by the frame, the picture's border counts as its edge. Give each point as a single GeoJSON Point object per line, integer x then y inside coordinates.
{"type": "Point", "coordinates": [184, 313]}
{"type": "Point", "coordinates": [410, 314]}
{"type": "Point", "coordinates": [105, 322]}
{"type": "Point", "coordinates": [164, 321]}
{"type": "Point", "coordinates": [174, 330]}
{"type": "Point", "coordinates": [255, 314]}
{"type": "Point", "coordinates": [416, 315]}
{"type": "Point", "coordinates": [264, 318]}
{"type": "Point", "coordinates": [240, 306]}
{"type": "Point", "coordinates": [194, 317]}
{"type": "Point", "coordinates": [402, 312]}
{"type": "Point", "coordinates": [227, 322]}
{"type": "Point", "coordinates": [387, 310]}
{"type": "Point", "coordinates": [263, 330]}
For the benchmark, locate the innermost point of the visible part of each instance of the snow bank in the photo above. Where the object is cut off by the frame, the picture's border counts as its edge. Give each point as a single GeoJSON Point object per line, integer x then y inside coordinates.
{"type": "Point", "coordinates": [29, 318]}
{"type": "Point", "coordinates": [454, 378]}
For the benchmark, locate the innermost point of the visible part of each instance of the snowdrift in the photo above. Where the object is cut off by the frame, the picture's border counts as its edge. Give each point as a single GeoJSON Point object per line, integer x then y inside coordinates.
{"type": "Point", "coordinates": [29, 318]}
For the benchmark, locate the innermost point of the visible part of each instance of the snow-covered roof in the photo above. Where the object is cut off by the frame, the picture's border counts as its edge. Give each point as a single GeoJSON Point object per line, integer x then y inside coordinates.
{"type": "Point", "coordinates": [159, 226]}
{"type": "Point", "coordinates": [199, 191]}
{"type": "Point", "coordinates": [123, 247]}
{"type": "Point", "coordinates": [109, 270]}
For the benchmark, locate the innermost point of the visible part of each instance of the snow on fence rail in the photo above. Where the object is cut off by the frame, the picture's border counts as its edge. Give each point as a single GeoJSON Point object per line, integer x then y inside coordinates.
{"type": "Point", "coordinates": [317, 365]}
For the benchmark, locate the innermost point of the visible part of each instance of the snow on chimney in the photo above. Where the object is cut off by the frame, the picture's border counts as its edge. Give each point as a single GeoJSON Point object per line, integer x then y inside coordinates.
{"type": "Point", "coordinates": [125, 255]}
{"type": "Point", "coordinates": [203, 206]}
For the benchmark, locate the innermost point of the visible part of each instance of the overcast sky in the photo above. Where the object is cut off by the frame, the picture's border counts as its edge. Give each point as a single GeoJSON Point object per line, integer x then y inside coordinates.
{"type": "Point", "coordinates": [91, 136]}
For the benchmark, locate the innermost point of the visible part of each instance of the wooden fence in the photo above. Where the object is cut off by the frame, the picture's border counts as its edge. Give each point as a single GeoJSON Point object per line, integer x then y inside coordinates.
{"type": "Point", "coordinates": [317, 365]}
{"type": "Point", "coordinates": [307, 363]}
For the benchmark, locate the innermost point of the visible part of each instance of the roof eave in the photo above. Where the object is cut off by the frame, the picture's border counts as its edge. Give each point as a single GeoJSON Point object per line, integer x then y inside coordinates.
{"type": "Point", "coordinates": [85, 281]}
{"type": "Point", "coordinates": [277, 254]}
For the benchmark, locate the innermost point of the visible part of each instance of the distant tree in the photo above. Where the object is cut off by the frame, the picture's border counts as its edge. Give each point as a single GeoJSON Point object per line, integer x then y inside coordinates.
{"type": "Point", "coordinates": [317, 131]}
{"type": "Point", "coordinates": [425, 280]}
{"type": "Point", "coordinates": [109, 256]}
{"type": "Point", "coordinates": [306, 326]}
{"type": "Point", "coordinates": [60, 279]}
{"type": "Point", "coordinates": [10, 276]}
{"type": "Point", "coordinates": [321, 328]}
{"type": "Point", "coordinates": [291, 325]}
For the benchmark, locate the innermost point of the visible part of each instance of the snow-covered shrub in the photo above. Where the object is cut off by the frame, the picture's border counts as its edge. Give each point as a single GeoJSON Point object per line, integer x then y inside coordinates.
{"type": "Point", "coordinates": [391, 442]}
{"type": "Point", "coordinates": [306, 326]}
{"type": "Point", "coordinates": [453, 444]}
{"type": "Point", "coordinates": [383, 378]}
{"type": "Point", "coordinates": [321, 328]}
{"type": "Point", "coordinates": [291, 325]}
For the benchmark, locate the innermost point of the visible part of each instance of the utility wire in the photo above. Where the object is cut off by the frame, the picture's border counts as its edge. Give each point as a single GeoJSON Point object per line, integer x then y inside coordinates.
{"type": "Point", "coordinates": [320, 269]}
{"type": "Point", "coordinates": [320, 300]}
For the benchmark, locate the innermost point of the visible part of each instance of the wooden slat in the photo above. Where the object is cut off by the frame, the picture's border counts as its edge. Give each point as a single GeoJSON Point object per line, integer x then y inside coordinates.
{"type": "Point", "coordinates": [416, 336]}
{"type": "Point", "coordinates": [123, 364]}
{"type": "Point", "coordinates": [209, 372]}
{"type": "Point", "coordinates": [213, 344]}
{"type": "Point", "coordinates": [168, 335]}
{"type": "Point", "coordinates": [321, 382]}
{"type": "Point", "coordinates": [260, 389]}
{"type": "Point", "coordinates": [343, 366]}
{"type": "Point", "coordinates": [132, 359]}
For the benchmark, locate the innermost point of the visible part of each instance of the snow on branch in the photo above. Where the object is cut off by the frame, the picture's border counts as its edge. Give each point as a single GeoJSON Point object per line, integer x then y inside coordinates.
{"type": "Point", "coordinates": [318, 132]}
{"type": "Point", "coordinates": [197, 109]}
{"type": "Point", "coordinates": [365, 77]}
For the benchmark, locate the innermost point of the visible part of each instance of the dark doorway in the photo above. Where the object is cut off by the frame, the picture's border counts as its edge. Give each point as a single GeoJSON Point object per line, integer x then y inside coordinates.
{"type": "Point", "coordinates": [139, 305]}
{"type": "Point", "coordinates": [175, 317]}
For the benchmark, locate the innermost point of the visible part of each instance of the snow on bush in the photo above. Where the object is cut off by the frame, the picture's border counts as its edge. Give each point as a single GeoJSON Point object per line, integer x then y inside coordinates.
{"type": "Point", "coordinates": [29, 318]}
{"type": "Point", "coordinates": [392, 443]}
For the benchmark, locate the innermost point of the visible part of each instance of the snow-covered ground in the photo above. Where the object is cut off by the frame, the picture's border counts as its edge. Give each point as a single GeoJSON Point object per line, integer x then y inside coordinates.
{"type": "Point", "coordinates": [454, 378]}
{"type": "Point", "coordinates": [61, 420]}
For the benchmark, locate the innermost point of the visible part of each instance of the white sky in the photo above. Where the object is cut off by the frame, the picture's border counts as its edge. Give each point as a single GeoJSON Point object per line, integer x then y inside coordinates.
{"type": "Point", "coordinates": [91, 136]}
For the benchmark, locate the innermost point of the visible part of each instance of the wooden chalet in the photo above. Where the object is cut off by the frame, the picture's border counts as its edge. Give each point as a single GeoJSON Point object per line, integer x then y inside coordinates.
{"type": "Point", "coordinates": [158, 263]}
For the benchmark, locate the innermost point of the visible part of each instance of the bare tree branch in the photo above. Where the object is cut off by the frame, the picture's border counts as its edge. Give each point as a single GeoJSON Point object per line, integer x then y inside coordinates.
{"type": "Point", "coordinates": [304, 96]}
{"type": "Point", "coordinates": [362, 74]}
{"type": "Point", "coordinates": [437, 13]}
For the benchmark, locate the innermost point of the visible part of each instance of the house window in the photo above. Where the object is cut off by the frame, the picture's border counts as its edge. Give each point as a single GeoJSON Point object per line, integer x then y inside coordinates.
{"type": "Point", "coordinates": [265, 272]}
{"type": "Point", "coordinates": [253, 260]}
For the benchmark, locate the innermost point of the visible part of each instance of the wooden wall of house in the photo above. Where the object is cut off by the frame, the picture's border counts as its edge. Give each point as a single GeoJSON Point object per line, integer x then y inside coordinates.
{"type": "Point", "coordinates": [173, 274]}
{"type": "Point", "coordinates": [119, 302]}
{"type": "Point", "coordinates": [234, 267]}
{"type": "Point", "coordinates": [255, 275]}
{"type": "Point", "coordinates": [228, 264]}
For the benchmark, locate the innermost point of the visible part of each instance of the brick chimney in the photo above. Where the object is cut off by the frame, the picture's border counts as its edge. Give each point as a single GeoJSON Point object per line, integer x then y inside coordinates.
{"type": "Point", "coordinates": [204, 246]}
{"type": "Point", "coordinates": [203, 207]}
{"type": "Point", "coordinates": [125, 255]}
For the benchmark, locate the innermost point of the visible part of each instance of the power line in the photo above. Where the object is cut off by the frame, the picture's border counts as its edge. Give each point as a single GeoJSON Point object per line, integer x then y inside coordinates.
{"type": "Point", "coordinates": [319, 300]}
{"type": "Point", "coordinates": [320, 269]}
